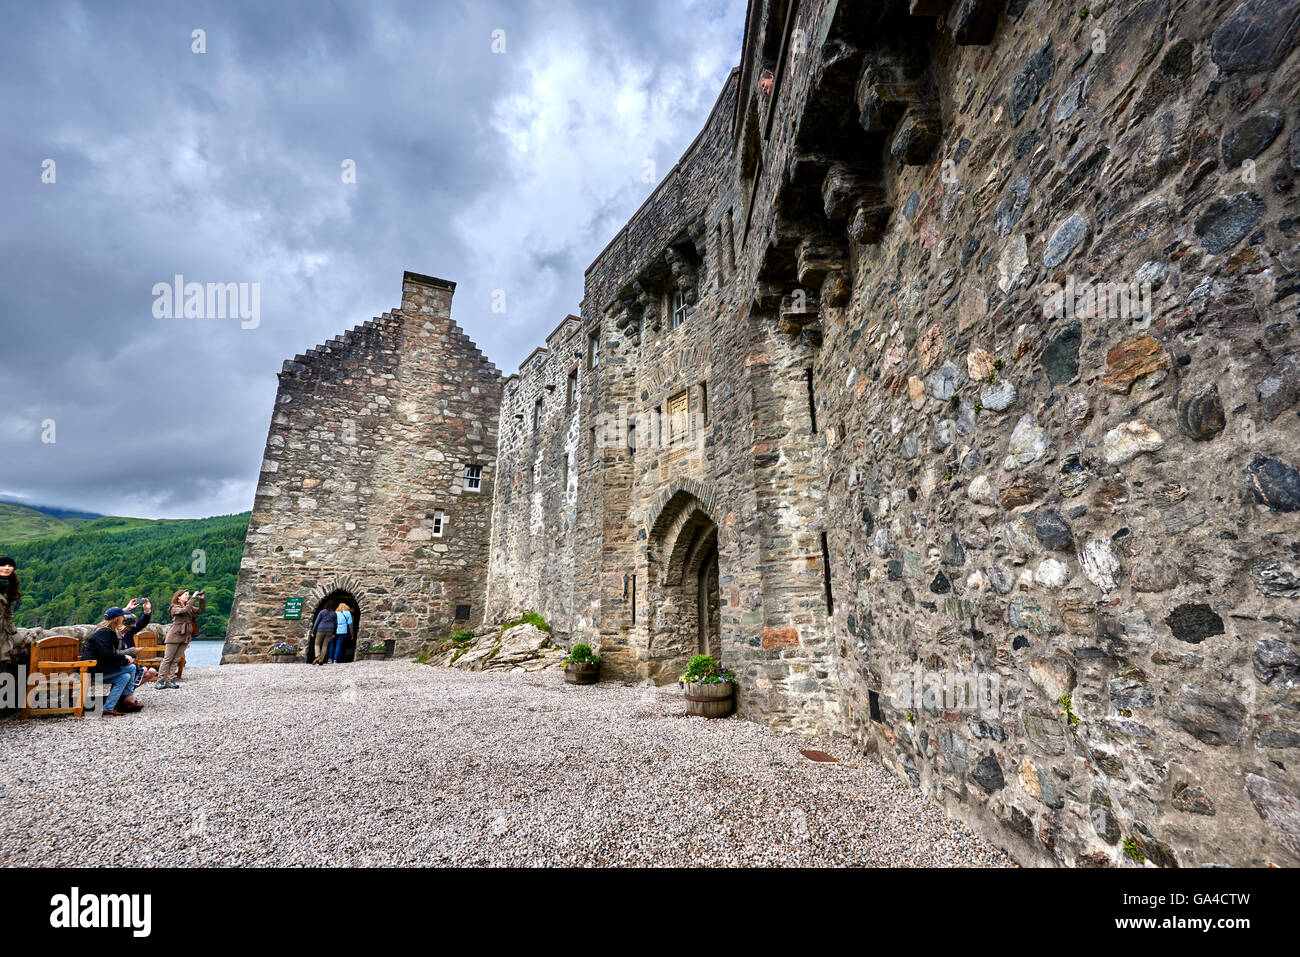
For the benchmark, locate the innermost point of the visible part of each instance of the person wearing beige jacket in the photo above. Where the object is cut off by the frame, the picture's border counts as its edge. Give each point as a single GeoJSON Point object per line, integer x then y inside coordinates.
{"type": "Point", "coordinates": [186, 608]}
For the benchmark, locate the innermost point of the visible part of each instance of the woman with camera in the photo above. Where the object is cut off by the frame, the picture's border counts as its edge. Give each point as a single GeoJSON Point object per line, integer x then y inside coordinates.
{"type": "Point", "coordinates": [185, 610]}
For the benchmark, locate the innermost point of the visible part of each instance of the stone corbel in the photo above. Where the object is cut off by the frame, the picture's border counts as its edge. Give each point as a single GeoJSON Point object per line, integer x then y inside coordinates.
{"type": "Point", "coordinates": [684, 274]}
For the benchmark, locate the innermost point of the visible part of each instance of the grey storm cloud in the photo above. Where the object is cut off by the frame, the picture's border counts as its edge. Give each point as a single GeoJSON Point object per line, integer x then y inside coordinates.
{"type": "Point", "coordinates": [502, 171]}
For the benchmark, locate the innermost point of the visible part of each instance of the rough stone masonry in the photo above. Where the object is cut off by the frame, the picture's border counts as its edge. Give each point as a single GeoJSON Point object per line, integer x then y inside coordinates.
{"type": "Point", "coordinates": [946, 389]}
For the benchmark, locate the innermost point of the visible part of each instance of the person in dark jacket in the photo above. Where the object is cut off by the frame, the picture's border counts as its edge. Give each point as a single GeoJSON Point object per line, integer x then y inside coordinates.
{"type": "Point", "coordinates": [322, 630]}
{"type": "Point", "coordinates": [116, 669]}
{"type": "Point", "coordinates": [11, 594]}
{"type": "Point", "coordinates": [133, 627]}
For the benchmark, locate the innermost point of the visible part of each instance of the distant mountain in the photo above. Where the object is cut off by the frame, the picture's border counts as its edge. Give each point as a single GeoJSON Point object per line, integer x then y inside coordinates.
{"type": "Point", "coordinates": [68, 514]}
{"type": "Point", "coordinates": [18, 523]}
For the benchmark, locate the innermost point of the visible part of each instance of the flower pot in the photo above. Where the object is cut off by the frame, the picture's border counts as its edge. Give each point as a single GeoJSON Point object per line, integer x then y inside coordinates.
{"type": "Point", "coordinates": [582, 672]}
{"type": "Point", "coordinates": [284, 659]}
{"type": "Point", "coordinates": [710, 701]}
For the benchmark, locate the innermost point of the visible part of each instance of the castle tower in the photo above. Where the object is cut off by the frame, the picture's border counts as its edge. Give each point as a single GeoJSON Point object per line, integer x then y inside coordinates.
{"type": "Point", "coordinates": [376, 484]}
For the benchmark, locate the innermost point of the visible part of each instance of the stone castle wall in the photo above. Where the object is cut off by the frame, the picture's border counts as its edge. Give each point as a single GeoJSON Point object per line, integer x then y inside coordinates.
{"type": "Point", "coordinates": [1088, 514]}
{"type": "Point", "coordinates": [609, 560]}
{"type": "Point", "coordinates": [370, 437]}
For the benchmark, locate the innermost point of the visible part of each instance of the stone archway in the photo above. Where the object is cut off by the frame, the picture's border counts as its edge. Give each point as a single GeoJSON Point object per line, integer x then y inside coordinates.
{"type": "Point", "coordinates": [340, 589]}
{"type": "Point", "coordinates": [682, 574]}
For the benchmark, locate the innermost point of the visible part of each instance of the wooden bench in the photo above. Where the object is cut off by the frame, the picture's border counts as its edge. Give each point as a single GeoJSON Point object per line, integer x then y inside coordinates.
{"type": "Point", "coordinates": [49, 657]}
{"type": "Point", "coordinates": [149, 651]}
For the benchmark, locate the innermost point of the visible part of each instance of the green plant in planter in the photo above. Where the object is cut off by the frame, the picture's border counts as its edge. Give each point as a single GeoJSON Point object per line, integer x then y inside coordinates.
{"type": "Point", "coordinates": [703, 670]}
{"type": "Point", "coordinates": [581, 655]}
{"type": "Point", "coordinates": [284, 648]}
{"type": "Point", "coordinates": [375, 647]}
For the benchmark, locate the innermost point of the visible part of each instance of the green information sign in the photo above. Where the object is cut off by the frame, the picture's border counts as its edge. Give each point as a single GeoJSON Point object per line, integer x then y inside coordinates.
{"type": "Point", "coordinates": [293, 609]}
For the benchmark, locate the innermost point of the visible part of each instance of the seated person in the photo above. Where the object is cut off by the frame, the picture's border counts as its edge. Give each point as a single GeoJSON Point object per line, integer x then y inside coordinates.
{"type": "Point", "coordinates": [116, 668]}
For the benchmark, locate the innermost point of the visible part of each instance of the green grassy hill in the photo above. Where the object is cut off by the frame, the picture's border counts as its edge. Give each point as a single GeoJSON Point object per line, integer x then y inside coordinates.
{"type": "Point", "coordinates": [73, 574]}
{"type": "Point", "coordinates": [18, 523]}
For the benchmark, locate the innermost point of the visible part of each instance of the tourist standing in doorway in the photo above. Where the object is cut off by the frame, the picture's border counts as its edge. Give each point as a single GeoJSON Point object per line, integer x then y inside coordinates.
{"type": "Point", "coordinates": [10, 595]}
{"type": "Point", "coordinates": [322, 634]}
{"type": "Point", "coordinates": [342, 628]}
{"type": "Point", "coordinates": [185, 609]}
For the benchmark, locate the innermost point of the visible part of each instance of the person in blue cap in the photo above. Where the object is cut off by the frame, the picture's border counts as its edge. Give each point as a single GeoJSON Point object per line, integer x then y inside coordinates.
{"type": "Point", "coordinates": [116, 668]}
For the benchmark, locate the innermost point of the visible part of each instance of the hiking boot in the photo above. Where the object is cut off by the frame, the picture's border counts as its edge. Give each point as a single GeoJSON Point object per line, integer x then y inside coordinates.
{"type": "Point", "coordinates": [112, 714]}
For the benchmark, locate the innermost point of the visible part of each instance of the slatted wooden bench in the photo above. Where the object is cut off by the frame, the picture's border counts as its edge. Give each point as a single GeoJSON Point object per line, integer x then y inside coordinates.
{"type": "Point", "coordinates": [50, 657]}
{"type": "Point", "coordinates": [149, 651]}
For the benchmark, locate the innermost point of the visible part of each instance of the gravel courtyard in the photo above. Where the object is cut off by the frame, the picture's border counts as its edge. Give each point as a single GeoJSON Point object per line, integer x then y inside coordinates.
{"type": "Point", "coordinates": [383, 763]}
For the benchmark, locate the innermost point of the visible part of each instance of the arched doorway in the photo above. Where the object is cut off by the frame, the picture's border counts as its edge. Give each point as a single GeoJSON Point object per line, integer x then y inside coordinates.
{"type": "Point", "coordinates": [684, 595]}
{"type": "Point", "coordinates": [349, 652]}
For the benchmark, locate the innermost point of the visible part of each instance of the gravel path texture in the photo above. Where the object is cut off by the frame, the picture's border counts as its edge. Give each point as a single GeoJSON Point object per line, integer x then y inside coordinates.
{"type": "Point", "coordinates": [397, 763]}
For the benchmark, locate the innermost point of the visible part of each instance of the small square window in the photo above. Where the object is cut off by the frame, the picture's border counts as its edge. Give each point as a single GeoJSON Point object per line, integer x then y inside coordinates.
{"type": "Point", "coordinates": [473, 478]}
{"type": "Point", "coordinates": [679, 308]}
{"type": "Point", "coordinates": [438, 523]}
{"type": "Point", "coordinates": [462, 612]}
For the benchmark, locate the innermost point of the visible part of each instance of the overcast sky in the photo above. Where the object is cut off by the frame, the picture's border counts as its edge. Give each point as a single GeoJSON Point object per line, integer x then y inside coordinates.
{"type": "Point", "coordinates": [495, 170]}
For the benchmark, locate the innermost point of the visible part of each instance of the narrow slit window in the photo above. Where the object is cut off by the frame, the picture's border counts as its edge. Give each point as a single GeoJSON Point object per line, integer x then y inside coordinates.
{"type": "Point", "coordinates": [570, 389]}
{"type": "Point", "coordinates": [537, 415]}
{"type": "Point", "coordinates": [593, 350]}
{"type": "Point", "coordinates": [704, 403]}
{"type": "Point", "coordinates": [826, 574]}
{"type": "Point", "coordinates": [731, 242]}
{"type": "Point", "coordinates": [812, 403]}
{"type": "Point", "coordinates": [721, 256]}
{"type": "Point", "coordinates": [873, 701]}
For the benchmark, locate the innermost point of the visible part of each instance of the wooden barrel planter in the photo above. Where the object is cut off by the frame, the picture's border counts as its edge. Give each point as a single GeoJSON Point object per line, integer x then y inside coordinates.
{"type": "Point", "coordinates": [582, 673]}
{"type": "Point", "coordinates": [374, 655]}
{"type": "Point", "coordinates": [712, 700]}
{"type": "Point", "coordinates": [284, 659]}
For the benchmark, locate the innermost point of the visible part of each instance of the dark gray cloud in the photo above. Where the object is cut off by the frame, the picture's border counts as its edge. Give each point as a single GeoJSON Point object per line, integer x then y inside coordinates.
{"type": "Point", "coordinates": [500, 171]}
